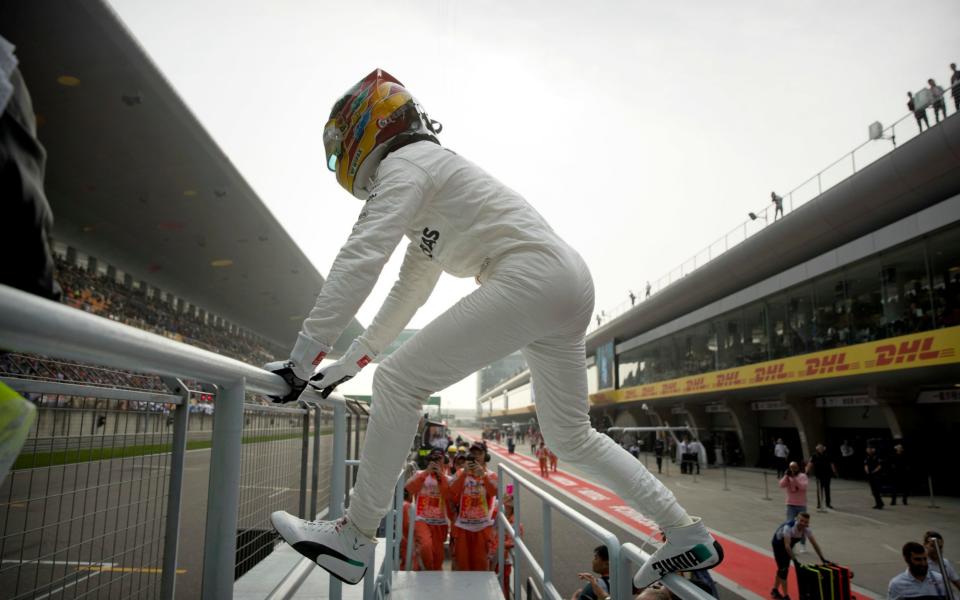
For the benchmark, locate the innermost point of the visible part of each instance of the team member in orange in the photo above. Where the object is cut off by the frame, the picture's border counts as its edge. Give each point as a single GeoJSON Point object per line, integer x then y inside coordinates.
{"type": "Point", "coordinates": [431, 489]}
{"type": "Point", "coordinates": [543, 455]}
{"type": "Point", "coordinates": [474, 489]}
{"type": "Point", "coordinates": [553, 461]}
{"type": "Point", "coordinates": [506, 504]}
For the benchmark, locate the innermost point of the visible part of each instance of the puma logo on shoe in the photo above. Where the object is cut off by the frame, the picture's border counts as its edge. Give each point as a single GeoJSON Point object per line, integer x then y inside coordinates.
{"type": "Point", "coordinates": [356, 544]}
{"type": "Point", "coordinates": [689, 560]}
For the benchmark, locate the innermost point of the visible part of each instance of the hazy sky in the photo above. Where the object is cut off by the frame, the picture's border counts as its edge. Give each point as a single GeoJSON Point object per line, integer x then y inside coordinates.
{"type": "Point", "coordinates": [642, 131]}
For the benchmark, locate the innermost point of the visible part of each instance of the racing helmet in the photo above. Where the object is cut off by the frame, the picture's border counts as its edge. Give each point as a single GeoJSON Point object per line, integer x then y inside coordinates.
{"type": "Point", "coordinates": [376, 116]}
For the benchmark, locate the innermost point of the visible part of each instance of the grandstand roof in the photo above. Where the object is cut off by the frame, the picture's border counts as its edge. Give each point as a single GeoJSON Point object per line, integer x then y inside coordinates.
{"type": "Point", "coordinates": [134, 179]}
{"type": "Point", "coordinates": [920, 173]}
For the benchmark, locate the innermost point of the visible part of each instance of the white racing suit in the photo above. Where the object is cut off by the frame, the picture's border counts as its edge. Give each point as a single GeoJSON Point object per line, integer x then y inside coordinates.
{"type": "Point", "coordinates": [535, 295]}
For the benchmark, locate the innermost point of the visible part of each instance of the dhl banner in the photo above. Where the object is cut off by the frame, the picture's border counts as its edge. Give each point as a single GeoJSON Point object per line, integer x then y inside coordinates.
{"type": "Point", "coordinates": [937, 347]}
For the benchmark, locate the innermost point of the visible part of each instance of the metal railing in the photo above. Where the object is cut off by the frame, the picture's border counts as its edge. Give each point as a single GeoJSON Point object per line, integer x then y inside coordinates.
{"type": "Point", "coordinates": [838, 170]}
{"type": "Point", "coordinates": [621, 580]}
{"type": "Point", "coordinates": [118, 481]}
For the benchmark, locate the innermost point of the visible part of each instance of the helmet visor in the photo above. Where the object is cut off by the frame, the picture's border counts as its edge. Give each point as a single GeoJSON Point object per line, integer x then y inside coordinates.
{"type": "Point", "coordinates": [332, 143]}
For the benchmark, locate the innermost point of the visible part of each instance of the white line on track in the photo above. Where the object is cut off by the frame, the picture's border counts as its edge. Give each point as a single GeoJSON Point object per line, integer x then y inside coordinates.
{"type": "Point", "coordinates": [63, 587]}
{"type": "Point", "coordinates": [69, 563]}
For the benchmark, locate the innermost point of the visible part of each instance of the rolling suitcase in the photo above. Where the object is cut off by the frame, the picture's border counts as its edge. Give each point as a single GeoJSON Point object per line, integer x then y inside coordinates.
{"type": "Point", "coordinates": [810, 583]}
{"type": "Point", "coordinates": [841, 577]}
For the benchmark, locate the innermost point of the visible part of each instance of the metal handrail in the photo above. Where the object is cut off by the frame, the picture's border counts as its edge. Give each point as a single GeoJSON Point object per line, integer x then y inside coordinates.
{"type": "Point", "coordinates": [32, 324]}
{"type": "Point", "coordinates": [544, 574]}
{"type": "Point", "coordinates": [762, 214]}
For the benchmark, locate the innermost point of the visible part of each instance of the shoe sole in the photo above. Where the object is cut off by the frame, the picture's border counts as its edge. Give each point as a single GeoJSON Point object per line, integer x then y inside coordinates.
{"type": "Point", "coordinates": [716, 547]}
{"type": "Point", "coordinates": [315, 551]}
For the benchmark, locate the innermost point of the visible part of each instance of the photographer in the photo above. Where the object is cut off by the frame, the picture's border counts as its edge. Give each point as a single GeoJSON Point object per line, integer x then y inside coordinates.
{"type": "Point", "coordinates": [794, 483]}
{"type": "Point", "coordinates": [474, 490]}
{"type": "Point", "coordinates": [431, 489]}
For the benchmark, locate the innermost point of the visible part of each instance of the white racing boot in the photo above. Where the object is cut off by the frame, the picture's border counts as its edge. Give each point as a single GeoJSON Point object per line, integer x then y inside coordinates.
{"type": "Point", "coordinates": [337, 546]}
{"type": "Point", "coordinates": [687, 548]}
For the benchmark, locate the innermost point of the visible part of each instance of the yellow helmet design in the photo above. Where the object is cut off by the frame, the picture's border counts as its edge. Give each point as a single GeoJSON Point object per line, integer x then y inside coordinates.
{"type": "Point", "coordinates": [374, 117]}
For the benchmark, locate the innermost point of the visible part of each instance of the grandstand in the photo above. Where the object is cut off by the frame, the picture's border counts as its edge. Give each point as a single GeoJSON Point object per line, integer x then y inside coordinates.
{"type": "Point", "coordinates": [837, 322]}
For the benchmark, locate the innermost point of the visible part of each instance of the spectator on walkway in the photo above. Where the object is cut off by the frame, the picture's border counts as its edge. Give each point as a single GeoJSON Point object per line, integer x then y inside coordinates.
{"type": "Point", "coordinates": [933, 542]}
{"type": "Point", "coordinates": [920, 114]}
{"type": "Point", "coordinates": [794, 484]}
{"type": "Point", "coordinates": [873, 469]}
{"type": "Point", "coordinates": [917, 581]}
{"type": "Point", "coordinates": [658, 448]}
{"type": "Point", "coordinates": [899, 472]}
{"type": "Point", "coordinates": [694, 448]}
{"type": "Point", "coordinates": [553, 460]}
{"type": "Point", "coordinates": [784, 539]}
{"type": "Point", "coordinates": [777, 203]}
{"type": "Point", "coordinates": [939, 106]}
{"type": "Point", "coordinates": [780, 455]}
{"type": "Point", "coordinates": [656, 591]}
{"type": "Point", "coordinates": [474, 490]}
{"type": "Point", "coordinates": [823, 468]}
{"type": "Point", "coordinates": [431, 488]}
{"type": "Point", "coordinates": [955, 85]}
{"type": "Point", "coordinates": [683, 454]}
{"type": "Point", "coordinates": [595, 588]}
{"type": "Point", "coordinates": [634, 449]}
{"type": "Point", "coordinates": [648, 290]}
{"type": "Point", "coordinates": [543, 457]}
{"type": "Point", "coordinates": [633, 298]}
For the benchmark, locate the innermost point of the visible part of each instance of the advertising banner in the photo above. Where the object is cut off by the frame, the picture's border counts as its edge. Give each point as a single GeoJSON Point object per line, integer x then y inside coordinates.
{"type": "Point", "coordinates": [937, 347]}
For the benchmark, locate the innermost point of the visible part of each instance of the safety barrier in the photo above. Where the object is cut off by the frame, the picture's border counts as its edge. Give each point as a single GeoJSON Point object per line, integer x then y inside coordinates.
{"type": "Point", "coordinates": [103, 475]}
{"type": "Point", "coordinates": [621, 580]}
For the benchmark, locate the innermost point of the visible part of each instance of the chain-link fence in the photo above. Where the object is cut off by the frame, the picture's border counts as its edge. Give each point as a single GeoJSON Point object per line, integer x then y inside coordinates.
{"type": "Point", "coordinates": [84, 511]}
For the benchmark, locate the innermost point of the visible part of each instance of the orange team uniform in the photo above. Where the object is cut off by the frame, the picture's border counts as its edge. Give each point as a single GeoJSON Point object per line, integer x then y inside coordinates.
{"type": "Point", "coordinates": [417, 564]}
{"type": "Point", "coordinates": [543, 455]}
{"type": "Point", "coordinates": [474, 524]}
{"type": "Point", "coordinates": [508, 545]}
{"type": "Point", "coordinates": [553, 460]}
{"type": "Point", "coordinates": [430, 528]}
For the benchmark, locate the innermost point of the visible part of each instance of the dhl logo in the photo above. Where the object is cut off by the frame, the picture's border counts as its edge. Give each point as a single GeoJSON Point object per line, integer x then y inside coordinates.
{"type": "Point", "coordinates": [770, 373]}
{"type": "Point", "coordinates": [670, 388]}
{"type": "Point", "coordinates": [889, 354]}
{"type": "Point", "coordinates": [648, 390]}
{"type": "Point", "coordinates": [728, 379]}
{"type": "Point", "coordinates": [695, 384]}
{"type": "Point", "coordinates": [830, 363]}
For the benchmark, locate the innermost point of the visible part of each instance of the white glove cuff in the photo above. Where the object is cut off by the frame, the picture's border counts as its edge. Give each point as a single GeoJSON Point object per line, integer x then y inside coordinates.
{"type": "Point", "coordinates": [306, 355]}
{"type": "Point", "coordinates": [359, 354]}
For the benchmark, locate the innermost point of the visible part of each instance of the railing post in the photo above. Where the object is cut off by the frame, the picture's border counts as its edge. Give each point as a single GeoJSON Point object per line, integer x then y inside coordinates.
{"type": "Point", "coordinates": [315, 475]}
{"type": "Point", "coordinates": [304, 461]}
{"type": "Point", "coordinates": [819, 185]}
{"type": "Point", "coordinates": [347, 454]}
{"type": "Point", "coordinates": [175, 487]}
{"type": "Point", "coordinates": [933, 504]}
{"type": "Point", "coordinates": [766, 487]}
{"type": "Point", "coordinates": [547, 545]}
{"type": "Point", "coordinates": [338, 470]}
{"type": "Point", "coordinates": [220, 539]}
{"type": "Point", "coordinates": [501, 572]}
{"type": "Point", "coordinates": [517, 563]}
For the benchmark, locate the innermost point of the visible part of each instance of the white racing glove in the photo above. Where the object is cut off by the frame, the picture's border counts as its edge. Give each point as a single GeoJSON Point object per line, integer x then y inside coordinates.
{"type": "Point", "coordinates": [327, 378]}
{"type": "Point", "coordinates": [304, 357]}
